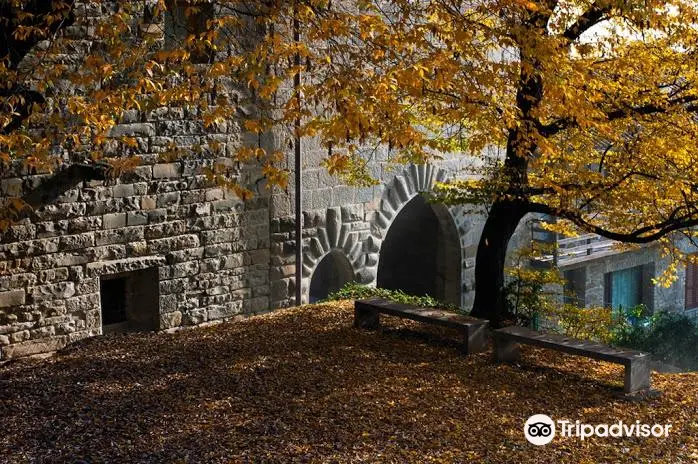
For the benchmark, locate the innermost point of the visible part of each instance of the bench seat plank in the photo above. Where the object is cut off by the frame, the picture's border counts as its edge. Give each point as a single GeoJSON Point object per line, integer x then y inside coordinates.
{"type": "Point", "coordinates": [570, 345]}
{"type": "Point", "coordinates": [367, 311]}
{"type": "Point", "coordinates": [428, 315]}
{"type": "Point", "coordinates": [637, 363]}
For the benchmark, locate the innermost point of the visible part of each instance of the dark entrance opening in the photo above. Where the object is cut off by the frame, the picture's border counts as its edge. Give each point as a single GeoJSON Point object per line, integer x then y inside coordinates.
{"type": "Point", "coordinates": [112, 293]}
{"type": "Point", "coordinates": [130, 301]}
{"type": "Point", "coordinates": [421, 253]}
{"type": "Point", "coordinates": [333, 271]}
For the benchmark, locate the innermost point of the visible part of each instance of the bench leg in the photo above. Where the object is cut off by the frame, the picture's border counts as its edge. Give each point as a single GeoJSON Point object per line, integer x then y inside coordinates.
{"type": "Point", "coordinates": [365, 319]}
{"type": "Point", "coordinates": [506, 350]}
{"type": "Point", "coordinates": [637, 376]}
{"type": "Point", "coordinates": [475, 339]}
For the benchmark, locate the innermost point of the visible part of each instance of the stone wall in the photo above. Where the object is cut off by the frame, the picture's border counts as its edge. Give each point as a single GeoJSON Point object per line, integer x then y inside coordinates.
{"type": "Point", "coordinates": [210, 255]}
{"type": "Point", "coordinates": [215, 256]}
{"type": "Point", "coordinates": [211, 250]}
{"type": "Point", "coordinates": [355, 221]}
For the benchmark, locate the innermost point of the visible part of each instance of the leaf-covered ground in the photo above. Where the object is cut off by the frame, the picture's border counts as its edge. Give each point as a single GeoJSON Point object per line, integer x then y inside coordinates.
{"type": "Point", "coordinates": [303, 385]}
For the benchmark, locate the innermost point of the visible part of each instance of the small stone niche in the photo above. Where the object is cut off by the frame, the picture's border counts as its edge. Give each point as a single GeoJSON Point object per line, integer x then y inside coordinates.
{"type": "Point", "coordinates": [331, 273]}
{"type": "Point", "coordinates": [130, 301]}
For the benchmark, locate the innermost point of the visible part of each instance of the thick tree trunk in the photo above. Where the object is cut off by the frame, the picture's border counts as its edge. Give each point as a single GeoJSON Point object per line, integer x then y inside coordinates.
{"type": "Point", "coordinates": [505, 215]}
{"type": "Point", "coordinates": [489, 262]}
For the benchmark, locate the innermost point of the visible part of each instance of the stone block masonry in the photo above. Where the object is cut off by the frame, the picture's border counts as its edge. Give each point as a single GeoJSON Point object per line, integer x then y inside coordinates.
{"type": "Point", "coordinates": [354, 227]}
{"type": "Point", "coordinates": [210, 251]}
{"type": "Point", "coordinates": [66, 270]}
{"type": "Point", "coordinates": [215, 256]}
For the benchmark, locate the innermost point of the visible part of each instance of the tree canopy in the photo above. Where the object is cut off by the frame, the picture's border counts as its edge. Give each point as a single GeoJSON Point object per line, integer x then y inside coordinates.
{"type": "Point", "coordinates": [589, 105]}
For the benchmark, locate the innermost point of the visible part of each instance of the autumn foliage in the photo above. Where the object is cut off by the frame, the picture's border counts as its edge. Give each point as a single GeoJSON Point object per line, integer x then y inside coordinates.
{"type": "Point", "coordinates": [584, 111]}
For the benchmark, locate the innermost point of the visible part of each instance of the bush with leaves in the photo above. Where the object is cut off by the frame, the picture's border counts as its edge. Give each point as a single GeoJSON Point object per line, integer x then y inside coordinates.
{"type": "Point", "coordinates": [356, 291]}
{"type": "Point", "coordinates": [672, 338]}
{"type": "Point", "coordinates": [585, 323]}
{"type": "Point", "coordinates": [531, 292]}
{"type": "Point", "coordinates": [533, 297]}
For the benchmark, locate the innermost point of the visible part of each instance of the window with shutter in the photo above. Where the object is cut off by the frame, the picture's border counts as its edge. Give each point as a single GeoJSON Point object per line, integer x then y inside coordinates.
{"type": "Point", "coordinates": [624, 288]}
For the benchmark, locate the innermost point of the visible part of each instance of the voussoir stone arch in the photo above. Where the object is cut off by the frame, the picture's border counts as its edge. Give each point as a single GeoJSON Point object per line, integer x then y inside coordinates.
{"type": "Point", "coordinates": [415, 179]}
{"type": "Point", "coordinates": [333, 233]}
{"type": "Point", "coordinates": [341, 230]}
{"type": "Point", "coordinates": [401, 190]}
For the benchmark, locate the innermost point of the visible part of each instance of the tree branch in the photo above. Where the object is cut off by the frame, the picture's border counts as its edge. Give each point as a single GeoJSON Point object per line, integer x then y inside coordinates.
{"type": "Point", "coordinates": [550, 129]}
{"type": "Point", "coordinates": [641, 235]}
{"type": "Point", "coordinates": [654, 109]}
{"type": "Point", "coordinates": [21, 111]}
{"type": "Point", "coordinates": [593, 16]}
{"type": "Point", "coordinates": [14, 50]}
{"type": "Point", "coordinates": [559, 125]}
{"type": "Point", "coordinates": [37, 11]}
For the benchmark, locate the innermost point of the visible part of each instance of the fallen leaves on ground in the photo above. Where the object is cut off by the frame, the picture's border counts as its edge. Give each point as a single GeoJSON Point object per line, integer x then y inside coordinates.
{"type": "Point", "coordinates": [303, 385]}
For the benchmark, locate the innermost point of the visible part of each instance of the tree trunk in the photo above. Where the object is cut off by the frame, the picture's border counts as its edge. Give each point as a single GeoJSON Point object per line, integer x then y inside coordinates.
{"type": "Point", "coordinates": [506, 214]}
{"type": "Point", "coordinates": [499, 227]}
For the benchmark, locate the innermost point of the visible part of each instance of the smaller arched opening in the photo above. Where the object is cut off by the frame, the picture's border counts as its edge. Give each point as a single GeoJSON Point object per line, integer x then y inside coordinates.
{"type": "Point", "coordinates": [331, 273]}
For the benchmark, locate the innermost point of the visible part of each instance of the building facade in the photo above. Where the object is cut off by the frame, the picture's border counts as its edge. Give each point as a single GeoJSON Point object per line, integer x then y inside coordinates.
{"type": "Point", "coordinates": [162, 246]}
{"type": "Point", "coordinates": [599, 273]}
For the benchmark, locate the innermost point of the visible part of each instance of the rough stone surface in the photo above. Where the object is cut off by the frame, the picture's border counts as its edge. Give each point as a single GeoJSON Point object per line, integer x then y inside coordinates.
{"type": "Point", "coordinates": [161, 171]}
{"type": "Point", "coordinates": [12, 298]}
{"type": "Point", "coordinates": [170, 320]}
{"type": "Point", "coordinates": [114, 220]}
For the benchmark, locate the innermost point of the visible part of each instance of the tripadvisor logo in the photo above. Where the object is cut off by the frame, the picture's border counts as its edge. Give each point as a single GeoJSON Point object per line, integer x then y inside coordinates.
{"type": "Point", "coordinates": [540, 429]}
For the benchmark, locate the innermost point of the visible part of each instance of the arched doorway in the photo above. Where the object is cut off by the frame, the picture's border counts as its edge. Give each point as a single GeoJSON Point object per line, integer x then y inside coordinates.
{"type": "Point", "coordinates": [331, 273]}
{"type": "Point", "coordinates": [421, 253]}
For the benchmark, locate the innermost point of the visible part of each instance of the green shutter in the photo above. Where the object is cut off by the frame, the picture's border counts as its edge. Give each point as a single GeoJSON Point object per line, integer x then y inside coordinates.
{"type": "Point", "coordinates": [626, 288]}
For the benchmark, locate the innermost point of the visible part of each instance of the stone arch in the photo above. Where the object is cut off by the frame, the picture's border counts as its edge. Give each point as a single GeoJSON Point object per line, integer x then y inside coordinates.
{"type": "Point", "coordinates": [421, 252]}
{"type": "Point", "coordinates": [332, 234]}
{"type": "Point", "coordinates": [341, 230]}
{"type": "Point", "coordinates": [400, 192]}
{"type": "Point", "coordinates": [331, 273]}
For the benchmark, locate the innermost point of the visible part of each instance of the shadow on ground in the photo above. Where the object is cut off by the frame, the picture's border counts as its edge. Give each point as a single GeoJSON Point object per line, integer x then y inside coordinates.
{"type": "Point", "coordinates": [304, 386]}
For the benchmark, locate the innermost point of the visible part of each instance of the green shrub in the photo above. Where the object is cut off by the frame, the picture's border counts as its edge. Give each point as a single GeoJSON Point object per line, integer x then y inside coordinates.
{"type": "Point", "coordinates": [670, 337]}
{"type": "Point", "coordinates": [530, 293]}
{"type": "Point", "coordinates": [356, 291]}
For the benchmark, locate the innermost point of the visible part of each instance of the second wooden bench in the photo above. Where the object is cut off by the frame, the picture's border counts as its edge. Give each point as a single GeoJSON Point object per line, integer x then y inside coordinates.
{"type": "Point", "coordinates": [637, 363]}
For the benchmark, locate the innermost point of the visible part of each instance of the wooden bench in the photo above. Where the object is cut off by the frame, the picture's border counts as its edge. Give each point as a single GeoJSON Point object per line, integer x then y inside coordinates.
{"type": "Point", "coordinates": [366, 316]}
{"type": "Point", "coordinates": [637, 364]}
